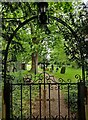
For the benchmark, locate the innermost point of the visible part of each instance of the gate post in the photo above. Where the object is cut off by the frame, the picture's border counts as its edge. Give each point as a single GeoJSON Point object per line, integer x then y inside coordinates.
{"type": "Point", "coordinates": [86, 106]}
{"type": "Point", "coordinates": [81, 102]}
{"type": "Point", "coordinates": [7, 99]}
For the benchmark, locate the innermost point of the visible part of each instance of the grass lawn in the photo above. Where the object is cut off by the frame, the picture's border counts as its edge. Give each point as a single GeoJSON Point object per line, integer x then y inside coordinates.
{"type": "Point", "coordinates": [69, 73]}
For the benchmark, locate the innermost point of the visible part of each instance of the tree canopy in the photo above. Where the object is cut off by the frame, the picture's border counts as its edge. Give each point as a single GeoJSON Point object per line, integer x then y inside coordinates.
{"type": "Point", "coordinates": [23, 35]}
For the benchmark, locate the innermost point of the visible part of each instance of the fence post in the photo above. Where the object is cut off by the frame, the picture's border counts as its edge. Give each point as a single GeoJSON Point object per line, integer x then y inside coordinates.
{"type": "Point", "coordinates": [86, 106]}
{"type": "Point", "coordinates": [7, 99]}
{"type": "Point", "coordinates": [3, 107]}
{"type": "Point", "coordinates": [81, 104]}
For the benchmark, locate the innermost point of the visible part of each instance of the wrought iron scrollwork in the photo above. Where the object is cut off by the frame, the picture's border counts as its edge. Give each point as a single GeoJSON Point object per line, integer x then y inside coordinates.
{"type": "Point", "coordinates": [74, 117]}
{"type": "Point", "coordinates": [43, 76]}
{"type": "Point", "coordinates": [78, 77]}
{"type": "Point", "coordinates": [61, 80]}
{"type": "Point", "coordinates": [69, 80]}
{"type": "Point", "coordinates": [51, 87]}
{"type": "Point", "coordinates": [28, 78]}
{"type": "Point", "coordinates": [56, 87]}
{"type": "Point", "coordinates": [48, 78]}
{"type": "Point", "coordinates": [35, 117]}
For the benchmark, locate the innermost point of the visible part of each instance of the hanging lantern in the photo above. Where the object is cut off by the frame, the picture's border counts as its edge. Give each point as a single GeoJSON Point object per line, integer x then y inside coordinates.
{"type": "Point", "coordinates": [42, 7]}
{"type": "Point", "coordinates": [42, 12]}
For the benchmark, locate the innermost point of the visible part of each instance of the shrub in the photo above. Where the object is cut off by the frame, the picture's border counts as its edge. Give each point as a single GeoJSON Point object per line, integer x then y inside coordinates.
{"type": "Point", "coordinates": [72, 101]}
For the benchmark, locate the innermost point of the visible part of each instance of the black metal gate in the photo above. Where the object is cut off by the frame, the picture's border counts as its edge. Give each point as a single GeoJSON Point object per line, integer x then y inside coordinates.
{"type": "Point", "coordinates": [44, 97]}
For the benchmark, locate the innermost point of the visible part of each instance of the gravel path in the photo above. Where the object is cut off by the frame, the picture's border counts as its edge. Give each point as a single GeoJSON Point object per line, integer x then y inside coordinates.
{"type": "Point", "coordinates": [54, 103]}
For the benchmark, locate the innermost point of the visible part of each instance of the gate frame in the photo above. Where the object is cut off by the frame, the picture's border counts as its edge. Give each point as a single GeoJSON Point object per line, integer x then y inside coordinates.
{"type": "Point", "coordinates": [80, 103]}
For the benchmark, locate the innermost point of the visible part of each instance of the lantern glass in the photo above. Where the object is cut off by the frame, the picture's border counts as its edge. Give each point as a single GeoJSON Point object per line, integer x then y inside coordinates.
{"type": "Point", "coordinates": [42, 13]}
{"type": "Point", "coordinates": [42, 6]}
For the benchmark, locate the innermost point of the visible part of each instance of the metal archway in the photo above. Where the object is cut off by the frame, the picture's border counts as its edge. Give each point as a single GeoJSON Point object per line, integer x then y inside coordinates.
{"type": "Point", "coordinates": [6, 91]}
{"type": "Point", "coordinates": [24, 23]}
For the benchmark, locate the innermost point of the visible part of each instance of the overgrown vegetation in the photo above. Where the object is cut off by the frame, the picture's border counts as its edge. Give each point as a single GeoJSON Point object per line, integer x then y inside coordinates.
{"type": "Point", "coordinates": [21, 92]}
{"type": "Point", "coordinates": [72, 99]}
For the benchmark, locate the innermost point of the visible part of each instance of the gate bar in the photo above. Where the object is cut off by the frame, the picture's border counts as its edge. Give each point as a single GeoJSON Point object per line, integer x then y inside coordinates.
{"type": "Point", "coordinates": [30, 104]}
{"type": "Point", "coordinates": [81, 105]}
{"type": "Point", "coordinates": [68, 104]}
{"type": "Point", "coordinates": [21, 101]}
{"type": "Point", "coordinates": [7, 100]}
{"type": "Point", "coordinates": [44, 76]}
{"type": "Point", "coordinates": [59, 100]}
{"type": "Point", "coordinates": [11, 103]}
{"type": "Point", "coordinates": [40, 98]}
{"type": "Point", "coordinates": [49, 104]}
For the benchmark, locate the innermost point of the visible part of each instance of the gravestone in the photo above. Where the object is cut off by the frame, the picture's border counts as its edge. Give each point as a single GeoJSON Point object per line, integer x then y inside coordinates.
{"type": "Point", "coordinates": [63, 70]}
{"type": "Point", "coordinates": [57, 69]}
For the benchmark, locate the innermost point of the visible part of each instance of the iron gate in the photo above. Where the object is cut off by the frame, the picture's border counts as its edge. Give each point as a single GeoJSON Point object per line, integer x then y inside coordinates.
{"type": "Point", "coordinates": [44, 97]}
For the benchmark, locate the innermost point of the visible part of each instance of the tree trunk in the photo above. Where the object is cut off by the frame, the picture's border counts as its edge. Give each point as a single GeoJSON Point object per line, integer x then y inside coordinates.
{"type": "Point", "coordinates": [34, 62]}
{"type": "Point", "coordinates": [35, 54]}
